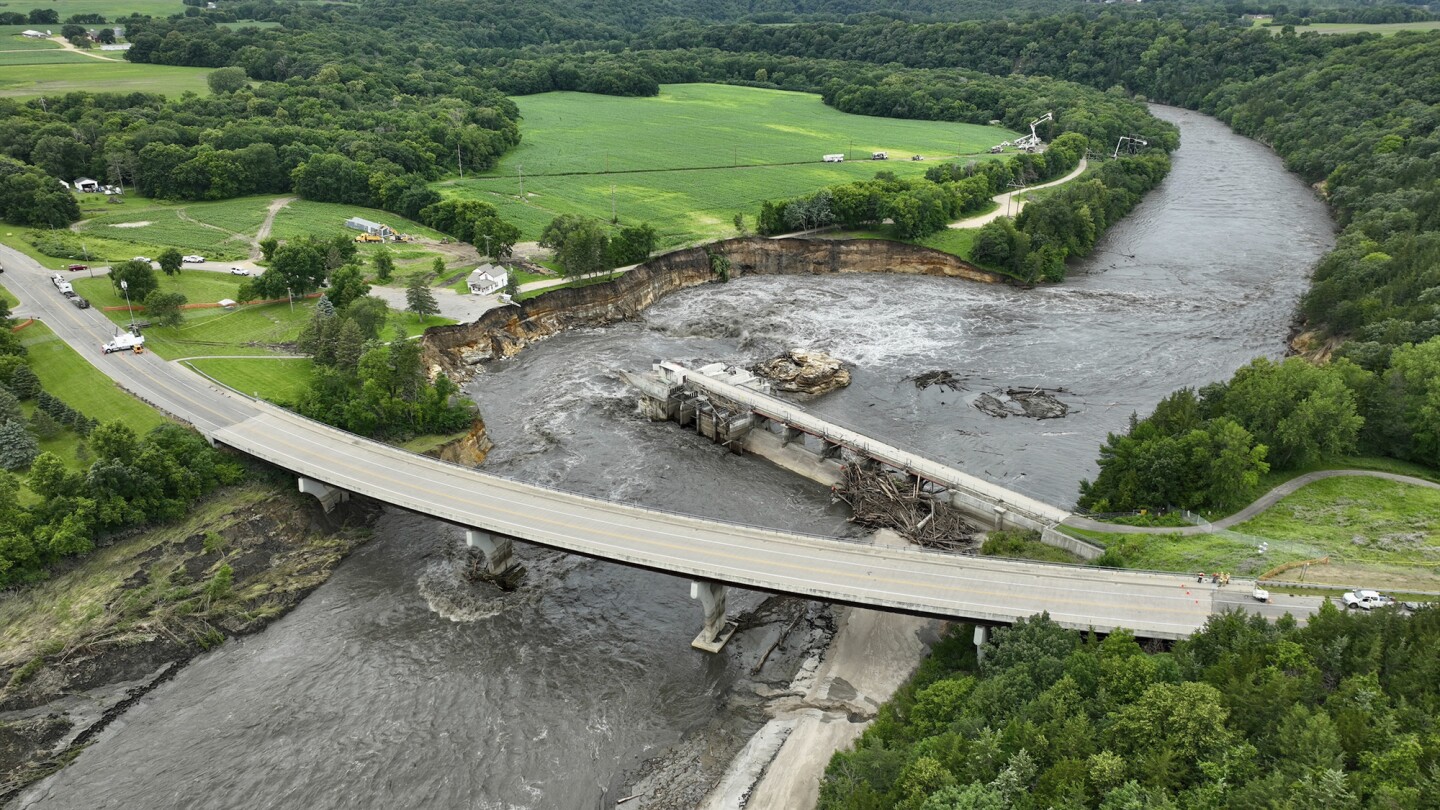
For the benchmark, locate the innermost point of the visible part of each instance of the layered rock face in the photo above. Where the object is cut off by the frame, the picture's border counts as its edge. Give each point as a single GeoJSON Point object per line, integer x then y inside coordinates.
{"type": "Point", "coordinates": [504, 332]}
{"type": "Point", "coordinates": [804, 372]}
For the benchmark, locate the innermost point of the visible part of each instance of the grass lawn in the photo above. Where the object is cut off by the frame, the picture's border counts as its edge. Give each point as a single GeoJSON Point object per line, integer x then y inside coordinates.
{"type": "Point", "coordinates": [97, 76]}
{"type": "Point", "coordinates": [247, 331]}
{"type": "Point", "coordinates": [584, 282]}
{"type": "Point", "coordinates": [9, 299]}
{"type": "Point", "coordinates": [307, 218]}
{"type": "Point", "coordinates": [688, 160]}
{"type": "Point", "coordinates": [10, 39]}
{"type": "Point", "coordinates": [1383, 29]}
{"type": "Point", "coordinates": [199, 286]}
{"type": "Point", "coordinates": [73, 379]}
{"type": "Point", "coordinates": [109, 8]}
{"type": "Point", "coordinates": [1376, 532]}
{"type": "Point", "coordinates": [279, 380]}
{"type": "Point", "coordinates": [40, 56]}
{"type": "Point", "coordinates": [219, 230]}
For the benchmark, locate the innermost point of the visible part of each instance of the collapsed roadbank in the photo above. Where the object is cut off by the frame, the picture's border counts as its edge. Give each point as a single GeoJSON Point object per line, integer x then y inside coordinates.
{"type": "Point", "coordinates": [78, 650]}
{"type": "Point", "coordinates": [502, 333]}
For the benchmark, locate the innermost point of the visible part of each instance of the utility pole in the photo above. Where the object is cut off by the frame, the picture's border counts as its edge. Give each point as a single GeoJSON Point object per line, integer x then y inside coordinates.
{"type": "Point", "coordinates": [125, 286]}
{"type": "Point", "coordinates": [291, 296]}
{"type": "Point", "coordinates": [520, 167]}
{"type": "Point", "coordinates": [458, 164]}
{"type": "Point", "coordinates": [1011, 198]}
{"type": "Point", "coordinates": [614, 217]}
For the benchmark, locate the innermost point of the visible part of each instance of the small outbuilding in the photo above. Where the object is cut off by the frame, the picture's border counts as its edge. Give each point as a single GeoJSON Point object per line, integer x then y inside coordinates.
{"type": "Point", "coordinates": [227, 303]}
{"type": "Point", "coordinates": [487, 279]}
{"type": "Point", "coordinates": [33, 34]}
{"type": "Point", "coordinates": [87, 185]}
{"type": "Point", "coordinates": [366, 226]}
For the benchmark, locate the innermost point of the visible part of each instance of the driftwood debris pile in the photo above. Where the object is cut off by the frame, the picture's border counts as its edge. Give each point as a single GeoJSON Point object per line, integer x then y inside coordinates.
{"type": "Point", "coordinates": [880, 500]}
{"type": "Point", "coordinates": [946, 380]}
{"type": "Point", "coordinates": [1036, 403]}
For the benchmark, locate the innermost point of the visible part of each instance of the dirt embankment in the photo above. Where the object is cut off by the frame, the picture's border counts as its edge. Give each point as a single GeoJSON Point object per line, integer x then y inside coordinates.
{"type": "Point", "coordinates": [80, 648]}
{"type": "Point", "coordinates": [503, 332]}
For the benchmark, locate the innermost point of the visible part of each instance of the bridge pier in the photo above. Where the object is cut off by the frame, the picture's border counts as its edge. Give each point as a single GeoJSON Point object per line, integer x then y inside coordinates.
{"type": "Point", "coordinates": [982, 637]}
{"type": "Point", "coordinates": [327, 495]}
{"type": "Point", "coordinates": [717, 630]}
{"type": "Point", "coordinates": [499, 551]}
{"type": "Point", "coordinates": [832, 450]}
{"type": "Point", "coordinates": [792, 435]}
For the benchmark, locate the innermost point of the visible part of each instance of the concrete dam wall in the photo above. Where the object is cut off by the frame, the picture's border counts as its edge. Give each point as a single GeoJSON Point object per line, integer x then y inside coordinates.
{"type": "Point", "coordinates": [504, 332]}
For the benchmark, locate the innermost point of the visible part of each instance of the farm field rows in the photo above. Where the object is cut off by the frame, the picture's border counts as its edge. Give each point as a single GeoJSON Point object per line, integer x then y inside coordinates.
{"type": "Point", "coordinates": [688, 160]}
{"type": "Point", "coordinates": [111, 8]}
{"type": "Point", "coordinates": [98, 76]}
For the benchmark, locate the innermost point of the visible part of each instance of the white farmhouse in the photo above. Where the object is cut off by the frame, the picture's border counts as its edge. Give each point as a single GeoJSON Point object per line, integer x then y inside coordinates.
{"type": "Point", "coordinates": [87, 185]}
{"type": "Point", "coordinates": [487, 279]}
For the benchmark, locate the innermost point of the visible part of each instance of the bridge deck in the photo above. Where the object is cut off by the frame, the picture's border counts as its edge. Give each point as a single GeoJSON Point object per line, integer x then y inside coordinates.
{"type": "Point", "coordinates": [1153, 605]}
{"type": "Point", "coordinates": [781, 411]}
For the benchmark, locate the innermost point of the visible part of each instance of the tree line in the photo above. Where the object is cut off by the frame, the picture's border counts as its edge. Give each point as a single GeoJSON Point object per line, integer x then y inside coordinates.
{"type": "Point", "coordinates": [917, 207]}
{"type": "Point", "coordinates": [123, 480]}
{"type": "Point", "coordinates": [1245, 713]}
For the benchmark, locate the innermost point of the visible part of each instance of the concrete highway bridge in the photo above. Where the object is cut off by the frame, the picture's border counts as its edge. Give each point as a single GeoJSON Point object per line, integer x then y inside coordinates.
{"type": "Point", "coordinates": [495, 510]}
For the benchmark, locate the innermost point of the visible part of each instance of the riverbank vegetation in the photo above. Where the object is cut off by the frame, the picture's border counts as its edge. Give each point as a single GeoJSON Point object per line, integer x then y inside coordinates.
{"type": "Point", "coordinates": [1245, 713]}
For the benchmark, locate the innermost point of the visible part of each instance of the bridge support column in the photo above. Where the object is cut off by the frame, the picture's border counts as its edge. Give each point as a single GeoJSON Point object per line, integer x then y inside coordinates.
{"type": "Point", "coordinates": [717, 631]}
{"type": "Point", "coordinates": [982, 637]}
{"type": "Point", "coordinates": [499, 551]}
{"type": "Point", "coordinates": [792, 435]}
{"type": "Point", "coordinates": [327, 495]}
{"type": "Point", "coordinates": [831, 450]}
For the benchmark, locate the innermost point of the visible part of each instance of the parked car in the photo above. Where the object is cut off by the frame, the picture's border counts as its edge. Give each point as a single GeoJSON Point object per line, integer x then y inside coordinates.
{"type": "Point", "coordinates": [1366, 599]}
{"type": "Point", "coordinates": [145, 259]}
{"type": "Point", "coordinates": [192, 259]}
{"type": "Point", "coordinates": [80, 303]}
{"type": "Point", "coordinates": [239, 271]}
{"type": "Point", "coordinates": [75, 268]}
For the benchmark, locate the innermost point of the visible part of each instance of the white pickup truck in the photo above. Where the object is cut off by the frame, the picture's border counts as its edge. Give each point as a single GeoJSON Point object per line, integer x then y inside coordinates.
{"type": "Point", "coordinates": [1368, 600]}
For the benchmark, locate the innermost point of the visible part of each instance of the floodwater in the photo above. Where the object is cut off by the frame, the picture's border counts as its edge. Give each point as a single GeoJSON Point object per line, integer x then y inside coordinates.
{"type": "Point", "coordinates": [395, 685]}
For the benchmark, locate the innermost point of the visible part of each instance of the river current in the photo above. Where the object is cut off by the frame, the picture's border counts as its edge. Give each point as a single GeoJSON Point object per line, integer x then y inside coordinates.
{"type": "Point", "coordinates": [395, 685]}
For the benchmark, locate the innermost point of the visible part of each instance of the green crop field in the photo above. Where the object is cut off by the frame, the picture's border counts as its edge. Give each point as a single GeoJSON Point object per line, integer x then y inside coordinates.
{"type": "Point", "coordinates": [278, 379]}
{"type": "Point", "coordinates": [99, 76]}
{"type": "Point", "coordinates": [691, 158]}
{"type": "Point", "coordinates": [109, 8]}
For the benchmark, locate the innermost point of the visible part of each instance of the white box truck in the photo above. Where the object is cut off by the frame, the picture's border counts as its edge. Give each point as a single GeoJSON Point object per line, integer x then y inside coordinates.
{"type": "Point", "coordinates": [123, 342]}
{"type": "Point", "coordinates": [834, 158]}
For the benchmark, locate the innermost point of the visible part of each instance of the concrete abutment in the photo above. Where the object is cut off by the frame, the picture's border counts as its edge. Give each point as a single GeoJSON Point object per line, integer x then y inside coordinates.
{"type": "Point", "coordinates": [328, 496]}
{"type": "Point", "coordinates": [717, 629]}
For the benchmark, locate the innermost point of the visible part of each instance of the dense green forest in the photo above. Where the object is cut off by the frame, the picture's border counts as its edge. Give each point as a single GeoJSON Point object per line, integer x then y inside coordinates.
{"type": "Point", "coordinates": [1334, 715]}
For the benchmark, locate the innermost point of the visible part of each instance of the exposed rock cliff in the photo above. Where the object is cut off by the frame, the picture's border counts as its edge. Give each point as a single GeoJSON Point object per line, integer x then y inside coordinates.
{"type": "Point", "coordinates": [503, 332]}
{"type": "Point", "coordinates": [469, 450]}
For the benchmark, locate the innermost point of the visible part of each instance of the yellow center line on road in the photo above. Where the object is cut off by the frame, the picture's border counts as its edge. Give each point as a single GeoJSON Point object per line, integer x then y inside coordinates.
{"type": "Point", "coordinates": [526, 519]}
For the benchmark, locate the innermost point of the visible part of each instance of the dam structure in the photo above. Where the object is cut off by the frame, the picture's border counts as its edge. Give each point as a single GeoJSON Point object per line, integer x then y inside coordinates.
{"type": "Point", "coordinates": [727, 405]}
